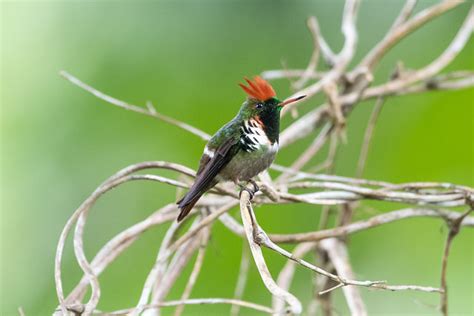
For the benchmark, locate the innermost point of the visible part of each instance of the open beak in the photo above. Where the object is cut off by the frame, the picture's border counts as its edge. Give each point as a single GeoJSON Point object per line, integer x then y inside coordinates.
{"type": "Point", "coordinates": [291, 100]}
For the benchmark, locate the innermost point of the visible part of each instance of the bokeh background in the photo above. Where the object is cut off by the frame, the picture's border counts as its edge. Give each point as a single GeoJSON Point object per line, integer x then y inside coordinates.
{"type": "Point", "coordinates": [58, 142]}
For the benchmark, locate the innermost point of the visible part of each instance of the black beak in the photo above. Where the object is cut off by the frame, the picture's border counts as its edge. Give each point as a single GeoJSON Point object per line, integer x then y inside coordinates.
{"type": "Point", "coordinates": [292, 100]}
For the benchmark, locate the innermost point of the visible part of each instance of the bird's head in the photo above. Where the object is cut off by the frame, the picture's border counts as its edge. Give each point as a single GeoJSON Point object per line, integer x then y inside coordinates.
{"type": "Point", "coordinates": [262, 100]}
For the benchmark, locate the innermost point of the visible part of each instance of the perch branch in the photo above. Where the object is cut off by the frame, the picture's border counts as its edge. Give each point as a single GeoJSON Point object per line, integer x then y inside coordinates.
{"type": "Point", "coordinates": [260, 238]}
{"type": "Point", "coordinates": [246, 213]}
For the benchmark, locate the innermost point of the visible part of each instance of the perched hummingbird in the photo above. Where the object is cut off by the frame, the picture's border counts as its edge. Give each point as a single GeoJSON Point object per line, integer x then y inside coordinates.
{"type": "Point", "coordinates": [242, 148]}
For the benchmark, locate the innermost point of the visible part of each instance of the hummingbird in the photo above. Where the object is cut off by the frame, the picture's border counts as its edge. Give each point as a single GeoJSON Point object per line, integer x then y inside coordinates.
{"type": "Point", "coordinates": [242, 148]}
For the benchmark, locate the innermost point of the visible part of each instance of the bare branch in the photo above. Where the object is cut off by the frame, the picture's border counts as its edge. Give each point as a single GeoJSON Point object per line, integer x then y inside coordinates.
{"type": "Point", "coordinates": [242, 280]}
{"type": "Point", "coordinates": [326, 51]}
{"type": "Point", "coordinates": [313, 119]}
{"type": "Point", "coordinates": [80, 216]}
{"type": "Point", "coordinates": [313, 62]}
{"type": "Point", "coordinates": [368, 136]}
{"type": "Point", "coordinates": [370, 223]}
{"type": "Point", "coordinates": [454, 228]}
{"type": "Point", "coordinates": [309, 153]}
{"type": "Point", "coordinates": [437, 65]}
{"type": "Point", "coordinates": [151, 111]}
{"type": "Point", "coordinates": [327, 164]}
{"type": "Point", "coordinates": [119, 243]}
{"type": "Point", "coordinates": [289, 74]}
{"type": "Point", "coordinates": [196, 301]}
{"type": "Point", "coordinates": [340, 259]}
{"type": "Point", "coordinates": [405, 13]}
{"type": "Point", "coordinates": [402, 29]}
{"type": "Point", "coordinates": [307, 123]}
{"type": "Point", "coordinates": [194, 274]}
{"type": "Point", "coordinates": [202, 224]}
{"type": "Point", "coordinates": [441, 82]}
{"type": "Point", "coordinates": [261, 238]}
{"type": "Point", "coordinates": [286, 274]}
{"type": "Point", "coordinates": [246, 213]}
{"type": "Point", "coordinates": [157, 272]}
{"type": "Point", "coordinates": [343, 58]}
{"type": "Point", "coordinates": [21, 311]}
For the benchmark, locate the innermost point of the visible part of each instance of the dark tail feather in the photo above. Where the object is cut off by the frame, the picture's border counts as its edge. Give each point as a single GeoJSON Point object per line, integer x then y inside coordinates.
{"type": "Point", "coordinates": [187, 206]}
{"type": "Point", "coordinates": [187, 203]}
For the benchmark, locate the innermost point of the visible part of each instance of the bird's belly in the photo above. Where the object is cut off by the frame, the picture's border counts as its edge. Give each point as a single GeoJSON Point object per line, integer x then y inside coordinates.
{"type": "Point", "coordinates": [246, 165]}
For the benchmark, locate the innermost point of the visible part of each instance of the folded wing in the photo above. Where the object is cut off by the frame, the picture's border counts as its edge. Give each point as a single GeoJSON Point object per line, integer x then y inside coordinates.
{"type": "Point", "coordinates": [207, 173]}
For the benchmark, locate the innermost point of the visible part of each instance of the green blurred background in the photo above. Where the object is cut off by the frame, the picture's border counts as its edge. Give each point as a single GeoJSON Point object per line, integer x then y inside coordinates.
{"type": "Point", "coordinates": [58, 142]}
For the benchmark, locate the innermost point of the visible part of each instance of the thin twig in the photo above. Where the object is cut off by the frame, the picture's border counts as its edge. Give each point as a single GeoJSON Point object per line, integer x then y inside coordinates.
{"type": "Point", "coordinates": [307, 123]}
{"type": "Point", "coordinates": [196, 301]}
{"type": "Point", "coordinates": [342, 59]}
{"type": "Point", "coordinates": [328, 164]}
{"type": "Point", "coordinates": [369, 223]}
{"type": "Point", "coordinates": [242, 279]}
{"type": "Point", "coordinates": [246, 213]}
{"type": "Point", "coordinates": [313, 61]}
{"type": "Point", "coordinates": [157, 272]}
{"type": "Point", "coordinates": [437, 65]}
{"type": "Point", "coordinates": [337, 253]}
{"type": "Point", "coordinates": [289, 74]}
{"type": "Point", "coordinates": [368, 136]}
{"type": "Point", "coordinates": [150, 111]}
{"type": "Point", "coordinates": [401, 30]}
{"type": "Point", "coordinates": [309, 153]}
{"type": "Point", "coordinates": [404, 14]}
{"type": "Point", "coordinates": [21, 311]}
{"type": "Point", "coordinates": [119, 244]}
{"type": "Point", "coordinates": [202, 224]}
{"type": "Point", "coordinates": [454, 228]}
{"type": "Point", "coordinates": [195, 272]}
{"type": "Point", "coordinates": [286, 274]}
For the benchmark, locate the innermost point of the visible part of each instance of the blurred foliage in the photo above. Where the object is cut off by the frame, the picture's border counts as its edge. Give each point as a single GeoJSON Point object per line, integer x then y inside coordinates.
{"type": "Point", "coordinates": [58, 142]}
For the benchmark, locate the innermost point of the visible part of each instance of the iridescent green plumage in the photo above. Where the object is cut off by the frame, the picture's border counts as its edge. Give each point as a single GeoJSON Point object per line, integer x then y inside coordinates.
{"type": "Point", "coordinates": [242, 148]}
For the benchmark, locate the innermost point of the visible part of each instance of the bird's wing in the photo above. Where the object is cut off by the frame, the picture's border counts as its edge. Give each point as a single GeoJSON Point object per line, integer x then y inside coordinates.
{"type": "Point", "coordinates": [209, 169]}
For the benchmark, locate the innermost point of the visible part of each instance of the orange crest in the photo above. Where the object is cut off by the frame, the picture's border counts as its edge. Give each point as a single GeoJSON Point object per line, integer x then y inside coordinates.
{"type": "Point", "coordinates": [258, 89]}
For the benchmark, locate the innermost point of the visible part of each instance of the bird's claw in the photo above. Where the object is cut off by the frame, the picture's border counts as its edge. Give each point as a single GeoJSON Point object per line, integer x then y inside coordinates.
{"type": "Point", "coordinates": [256, 188]}
{"type": "Point", "coordinates": [250, 191]}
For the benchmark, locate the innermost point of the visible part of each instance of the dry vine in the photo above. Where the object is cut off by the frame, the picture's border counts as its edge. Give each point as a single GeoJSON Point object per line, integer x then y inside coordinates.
{"type": "Point", "coordinates": [344, 89]}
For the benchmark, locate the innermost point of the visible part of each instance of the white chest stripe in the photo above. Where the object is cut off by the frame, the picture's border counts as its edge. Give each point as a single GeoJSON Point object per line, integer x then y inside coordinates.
{"type": "Point", "coordinates": [253, 136]}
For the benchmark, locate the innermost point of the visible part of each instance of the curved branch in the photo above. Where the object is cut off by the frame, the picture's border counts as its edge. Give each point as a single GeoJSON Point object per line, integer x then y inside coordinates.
{"type": "Point", "coordinates": [150, 111]}
{"type": "Point", "coordinates": [369, 223]}
{"type": "Point", "coordinates": [246, 213]}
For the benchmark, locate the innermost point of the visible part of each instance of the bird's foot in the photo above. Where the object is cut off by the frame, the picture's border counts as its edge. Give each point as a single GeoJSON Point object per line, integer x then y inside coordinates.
{"type": "Point", "coordinates": [256, 188]}
{"type": "Point", "coordinates": [244, 188]}
{"type": "Point", "coordinates": [249, 190]}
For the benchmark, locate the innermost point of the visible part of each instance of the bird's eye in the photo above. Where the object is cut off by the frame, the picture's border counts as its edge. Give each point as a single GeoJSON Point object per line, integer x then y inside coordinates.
{"type": "Point", "coordinates": [258, 105]}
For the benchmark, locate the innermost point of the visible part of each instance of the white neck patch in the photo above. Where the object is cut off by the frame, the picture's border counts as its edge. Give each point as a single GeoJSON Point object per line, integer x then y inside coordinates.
{"type": "Point", "coordinates": [253, 136]}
